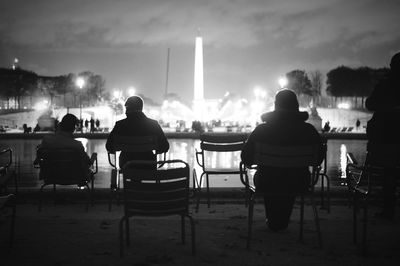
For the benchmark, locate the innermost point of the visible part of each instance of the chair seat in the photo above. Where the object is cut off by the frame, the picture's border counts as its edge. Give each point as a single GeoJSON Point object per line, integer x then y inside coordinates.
{"type": "Point", "coordinates": [219, 171]}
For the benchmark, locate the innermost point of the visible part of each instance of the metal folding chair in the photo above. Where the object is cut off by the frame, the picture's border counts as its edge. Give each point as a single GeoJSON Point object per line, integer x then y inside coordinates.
{"type": "Point", "coordinates": [8, 208]}
{"type": "Point", "coordinates": [286, 157]}
{"type": "Point", "coordinates": [127, 144]}
{"type": "Point", "coordinates": [215, 143]}
{"type": "Point", "coordinates": [6, 173]}
{"type": "Point", "coordinates": [152, 191]}
{"type": "Point", "coordinates": [64, 167]}
{"type": "Point", "coordinates": [365, 182]}
{"type": "Point", "coordinates": [322, 173]}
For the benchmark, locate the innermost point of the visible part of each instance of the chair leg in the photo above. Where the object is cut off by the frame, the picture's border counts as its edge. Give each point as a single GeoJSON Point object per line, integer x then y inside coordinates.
{"type": "Point", "coordinates": [121, 236]}
{"type": "Point", "coordinates": [183, 233]}
{"type": "Point", "coordinates": [364, 232]}
{"type": "Point", "coordinates": [322, 191]}
{"type": "Point", "coordinates": [250, 220]}
{"type": "Point", "coordinates": [316, 218]}
{"type": "Point", "coordinates": [192, 227]}
{"type": "Point", "coordinates": [15, 182]}
{"type": "Point", "coordinates": [208, 191]}
{"type": "Point", "coordinates": [40, 197]}
{"type": "Point", "coordinates": [301, 217]}
{"type": "Point", "coordinates": [328, 193]}
{"type": "Point", "coordinates": [355, 210]}
{"type": "Point", "coordinates": [110, 199]}
{"type": "Point", "coordinates": [12, 230]}
{"type": "Point", "coordinates": [88, 195]}
{"type": "Point", "coordinates": [199, 192]}
{"type": "Point", "coordinates": [128, 240]}
{"type": "Point", "coordinates": [92, 191]}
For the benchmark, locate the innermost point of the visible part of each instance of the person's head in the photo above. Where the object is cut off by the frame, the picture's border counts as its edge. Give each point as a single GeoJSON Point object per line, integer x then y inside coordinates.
{"type": "Point", "coordinates": [133, 104]}
{"type": "Point", "coordinates": [286, 100]}
{"type": "Point", "coordinates": [395, 63]}
{"type": "Point", "coordinates": [68, 123]}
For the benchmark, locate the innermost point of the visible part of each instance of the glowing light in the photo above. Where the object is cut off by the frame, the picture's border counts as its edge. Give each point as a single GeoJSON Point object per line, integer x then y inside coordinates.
{"type": "Point", "coordinates": [41, 105]}
{"type": "Point", "coordinates": [117, 94]}
{"type": "Point", "coordinates": [80, 82]}
{"type": "Point", "coordinates": [343, 105]}
{"type": "Point", "coordinates": [283, 82]}
{"type": "Point", "coordinates": [131, 91]}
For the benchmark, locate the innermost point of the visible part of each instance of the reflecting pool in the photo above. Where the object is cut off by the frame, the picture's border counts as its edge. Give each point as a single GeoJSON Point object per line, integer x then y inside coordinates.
{"type": "Point", "coordinates": [184, 149]}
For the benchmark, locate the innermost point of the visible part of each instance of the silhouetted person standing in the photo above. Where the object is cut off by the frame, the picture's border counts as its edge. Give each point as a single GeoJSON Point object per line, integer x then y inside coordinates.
{"type": "Point", "coordinates": [327, 127]}
{"type": "Point", "coordinates": [91, 125]}
{"type": "Point", "coordinates": [383, 127]}
{"type": "Point", "coordinates": [86, 125]}
{"type": "Point", "coordinates": [358, 124]}
{"type": "Point", "coordinates": [137, 124]}
{"type": "Point", "coordinates": [285, 126]}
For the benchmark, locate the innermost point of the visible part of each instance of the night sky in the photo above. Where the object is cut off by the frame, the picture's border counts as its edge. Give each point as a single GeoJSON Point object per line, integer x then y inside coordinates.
{"type": "Point", "coordinates": [246, 43]}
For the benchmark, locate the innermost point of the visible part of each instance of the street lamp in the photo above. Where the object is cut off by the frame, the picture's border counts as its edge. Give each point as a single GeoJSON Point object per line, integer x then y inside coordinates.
{"type": "Point", "coordinates": [131, 91]}
{"type": "Point", "coordinates": [283, 82]}
{"type": "Point", "coordinates": [80, 82]}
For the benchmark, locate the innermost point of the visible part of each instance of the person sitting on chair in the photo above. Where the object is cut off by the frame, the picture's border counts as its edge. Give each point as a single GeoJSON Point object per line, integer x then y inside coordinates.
{"type": "Point", "coordinates": [63, 139]}
{"type": "Point", "coordinates": [384, 101]}
{"type": "Point", "coordinates": [285, 126]}
{"type": "Point", "coordinates": [137, 124]}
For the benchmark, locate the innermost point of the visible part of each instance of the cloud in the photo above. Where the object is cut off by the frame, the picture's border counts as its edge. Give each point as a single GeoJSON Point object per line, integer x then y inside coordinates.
{"type": "Point", "coordinates": [71, 24]}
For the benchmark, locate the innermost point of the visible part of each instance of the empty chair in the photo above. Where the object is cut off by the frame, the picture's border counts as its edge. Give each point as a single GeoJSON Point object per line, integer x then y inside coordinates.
{"type": "Point", "coordinates": [216, 143]}
{"type": "Point", "coordinates": [65, 167]}
{"type": "Point", "coordinates": [8, 209]}
{"type": "Point", "coordinates": [367, 183]}
{"type": "Point", "coordinates": [128, 144]}
{"type": "Point", "coordinates": [7, 175]}
{"type": "Point", "coordinates": [322, 173]}
{"type": "Point", "coordinates": [149, 190]}
{"type": "Point", "coordinates": [286, 157]}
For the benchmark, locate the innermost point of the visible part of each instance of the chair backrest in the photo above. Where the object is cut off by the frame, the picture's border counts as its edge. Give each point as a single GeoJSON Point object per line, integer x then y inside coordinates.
{"type": "Point", "coordinates": [222, 142]}
{"type": "Point", "coordinates": [61, 166]}
{"type": "Point", "coordinates": [135, 144]}
{"type": "Point", "coordinates": [132, 144]}
{"type": "Point", "coordinates": [156, 191]}
{"type": "Point", "coordinates": [286, 156]}
{"type": "Point", "coordinates": [380, 160]}
{"type": "Point", "coordinates": [5, 160]}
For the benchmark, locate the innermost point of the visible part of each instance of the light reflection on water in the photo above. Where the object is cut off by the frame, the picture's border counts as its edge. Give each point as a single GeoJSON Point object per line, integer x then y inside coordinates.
{"type": "Point", "coordinates": [184, 149]}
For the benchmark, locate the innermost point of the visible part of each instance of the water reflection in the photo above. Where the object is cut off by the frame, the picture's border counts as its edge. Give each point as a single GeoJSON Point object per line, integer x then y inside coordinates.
{"type": "Point", "coordinates": [184, 149]}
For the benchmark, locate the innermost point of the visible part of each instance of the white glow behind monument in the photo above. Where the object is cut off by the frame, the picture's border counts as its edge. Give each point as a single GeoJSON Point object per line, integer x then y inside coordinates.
{"type": "Point", "coordinates": [198, 101]}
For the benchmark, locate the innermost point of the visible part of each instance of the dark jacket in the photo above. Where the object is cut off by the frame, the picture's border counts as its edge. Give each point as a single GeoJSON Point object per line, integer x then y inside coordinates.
{"type": "Point", "coordinates": [137, 124]}
{"type": "Point", "coordinates": [385, 102]}
{"type": "Point", "coordinates": [281, 128]}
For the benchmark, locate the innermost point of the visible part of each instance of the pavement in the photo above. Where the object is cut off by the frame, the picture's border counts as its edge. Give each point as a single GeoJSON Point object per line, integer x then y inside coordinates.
{"type": "Point", "coordinates": [65, 234]}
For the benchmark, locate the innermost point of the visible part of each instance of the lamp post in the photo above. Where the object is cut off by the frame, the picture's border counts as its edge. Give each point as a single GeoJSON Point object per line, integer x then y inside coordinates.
{"type": "Point", "coordinates": [283, 82]}
{"type": "Point", "coordinates": [131, 91]}
{"type": "Point", "coordinates": [80, 82]}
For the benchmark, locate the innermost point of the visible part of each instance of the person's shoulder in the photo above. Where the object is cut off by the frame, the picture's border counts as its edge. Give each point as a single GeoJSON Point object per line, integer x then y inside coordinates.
{"type": "Point", "coordinates": [151, 121]}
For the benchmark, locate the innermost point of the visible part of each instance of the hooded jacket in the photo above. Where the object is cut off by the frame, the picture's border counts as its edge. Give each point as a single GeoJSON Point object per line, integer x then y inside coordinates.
{"type": "Point", "coordinates": [284, 128]}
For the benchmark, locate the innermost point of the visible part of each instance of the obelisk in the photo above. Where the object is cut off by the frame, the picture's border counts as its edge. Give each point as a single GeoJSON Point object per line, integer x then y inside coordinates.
{"type": "Point", "coordinates": [198, 101]}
